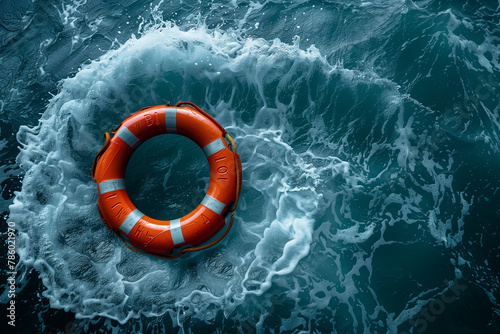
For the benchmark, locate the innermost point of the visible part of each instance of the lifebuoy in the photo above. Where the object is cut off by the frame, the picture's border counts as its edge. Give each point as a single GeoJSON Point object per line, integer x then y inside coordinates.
{"type": "Point", "coordinates": [161, 237]}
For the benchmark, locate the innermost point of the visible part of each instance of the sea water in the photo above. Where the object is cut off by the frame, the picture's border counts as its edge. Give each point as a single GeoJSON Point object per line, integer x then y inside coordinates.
{"type": "Point", "coordinates": [369, 139]}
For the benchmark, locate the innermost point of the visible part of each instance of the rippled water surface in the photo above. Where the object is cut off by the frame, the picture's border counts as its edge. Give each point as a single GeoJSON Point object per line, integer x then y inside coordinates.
{"type": "Point", "coordinates": [369, 134]}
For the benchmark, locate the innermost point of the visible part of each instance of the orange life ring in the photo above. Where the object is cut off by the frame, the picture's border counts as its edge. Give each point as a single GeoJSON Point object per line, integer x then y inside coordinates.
{"type": "Point", "coordinates": [161, 237]}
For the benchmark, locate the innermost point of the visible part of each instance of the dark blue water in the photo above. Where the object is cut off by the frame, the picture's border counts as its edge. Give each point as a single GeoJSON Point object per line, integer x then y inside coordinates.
{"type": "Point", "coordinates": [369, 134]}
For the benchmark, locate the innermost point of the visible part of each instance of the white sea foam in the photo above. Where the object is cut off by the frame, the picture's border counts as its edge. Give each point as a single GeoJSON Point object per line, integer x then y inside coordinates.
{"type": "Point", "coordinates": [84, 267]}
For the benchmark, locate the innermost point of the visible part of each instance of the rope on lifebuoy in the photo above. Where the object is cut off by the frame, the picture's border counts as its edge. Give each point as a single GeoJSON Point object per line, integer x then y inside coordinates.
{"type": "Point", "coordinates": [103, 149]}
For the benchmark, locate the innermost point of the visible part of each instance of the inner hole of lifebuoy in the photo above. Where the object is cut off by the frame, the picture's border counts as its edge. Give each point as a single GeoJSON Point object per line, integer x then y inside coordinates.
{"type": "Point", "coordinates": [167, 177]}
